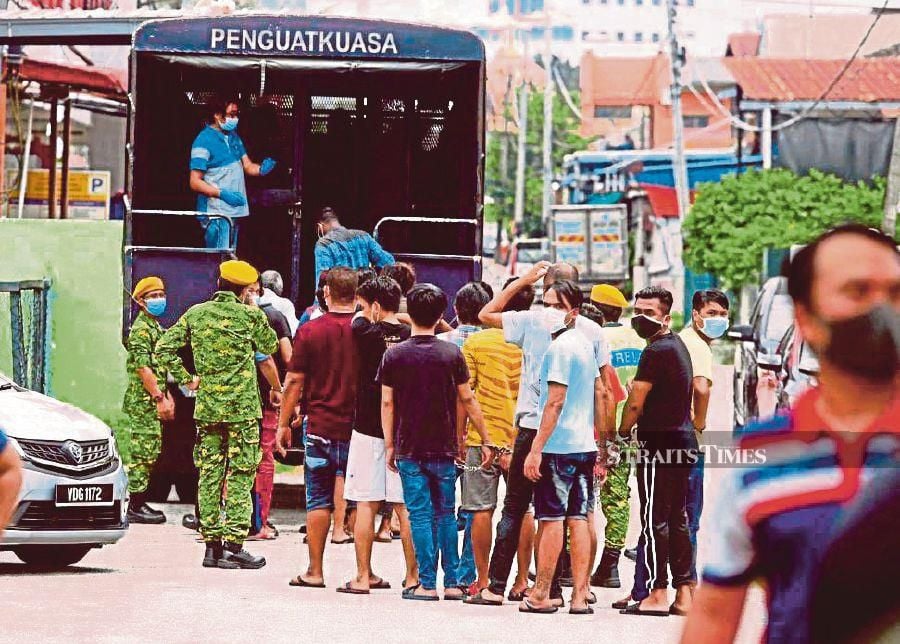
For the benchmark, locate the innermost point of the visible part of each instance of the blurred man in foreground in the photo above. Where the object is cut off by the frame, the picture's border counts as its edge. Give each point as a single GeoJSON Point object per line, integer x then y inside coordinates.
{"type": "Point", "coordinates": [774, 517]}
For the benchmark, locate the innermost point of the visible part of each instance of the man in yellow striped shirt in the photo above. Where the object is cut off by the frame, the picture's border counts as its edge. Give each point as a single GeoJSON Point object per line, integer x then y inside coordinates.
{"type": "Point", "coordinates": [494, 369]}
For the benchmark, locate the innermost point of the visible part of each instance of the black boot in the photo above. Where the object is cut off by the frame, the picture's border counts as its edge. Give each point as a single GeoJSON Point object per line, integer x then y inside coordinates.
{"type": "Point", "coordinates": [233, 556]}
{"type": "Point", "coordinates": [213, 554]}
{"type": "Point", "coordinates": [190, 522]}
{"type": "Point", "coordinates": [607, 573]}
{"type": "Point", "coordinates": [631, 553]}
{"type": "Point", "coordinates": [140, 512]}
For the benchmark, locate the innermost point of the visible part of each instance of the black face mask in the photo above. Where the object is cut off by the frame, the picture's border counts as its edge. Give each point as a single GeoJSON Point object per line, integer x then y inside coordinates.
{"type": "Point", "coordinates": [646, 327]}
{"type": "Point", "coordinates": [866, 345]}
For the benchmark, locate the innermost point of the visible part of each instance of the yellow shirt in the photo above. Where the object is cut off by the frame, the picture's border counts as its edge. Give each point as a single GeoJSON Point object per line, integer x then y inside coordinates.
{"type": "Point", "coordinates": [494, 370]}
{"type": "Point", "coordinates": [701, 354]}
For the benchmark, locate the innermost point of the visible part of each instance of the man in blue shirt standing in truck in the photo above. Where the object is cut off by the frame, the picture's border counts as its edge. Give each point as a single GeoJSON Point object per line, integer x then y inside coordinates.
{"type": "Point", "coordinates": [218, 164]}
{"type": "Point", "coordinates": [339, 246]}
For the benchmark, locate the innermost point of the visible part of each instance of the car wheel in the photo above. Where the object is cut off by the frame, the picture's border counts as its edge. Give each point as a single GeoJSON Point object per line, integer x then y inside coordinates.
{"type": "Point", "coordinates": [51, 557]}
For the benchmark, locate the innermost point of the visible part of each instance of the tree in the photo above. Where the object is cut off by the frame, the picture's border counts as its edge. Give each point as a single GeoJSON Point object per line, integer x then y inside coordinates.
{"type": "Point", "coordinates": [732, 222]}
{"type": "Point", "coordinates": [500, 187]}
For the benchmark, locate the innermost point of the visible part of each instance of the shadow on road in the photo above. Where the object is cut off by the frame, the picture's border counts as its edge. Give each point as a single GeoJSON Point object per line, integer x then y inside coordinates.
{"type": "Point", "coordinates": [12, 569]}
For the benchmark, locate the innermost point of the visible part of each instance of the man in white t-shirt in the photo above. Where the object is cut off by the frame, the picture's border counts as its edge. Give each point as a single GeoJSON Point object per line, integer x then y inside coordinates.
{"type": "Point", "coordinates": [526, 330]}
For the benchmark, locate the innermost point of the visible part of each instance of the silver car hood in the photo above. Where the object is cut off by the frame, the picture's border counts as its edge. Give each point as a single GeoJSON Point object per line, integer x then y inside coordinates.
{"type": "Point", "coordinates": [30, 415]}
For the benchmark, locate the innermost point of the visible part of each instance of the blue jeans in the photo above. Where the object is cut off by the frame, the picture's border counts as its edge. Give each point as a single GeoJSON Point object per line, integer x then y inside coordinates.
{"type": "Point", "coordinates": [217, 233]}
{"type": "Point", "coordinates": [429, 489]}
{"type": "Point", "coordinates": [566, 487]}
{"type": "Point", "coordinates": [466, 573]}
{"type": "Point", "coordinates": [694, 507]}
{"type": "Point", "coordinates": [325, 461]}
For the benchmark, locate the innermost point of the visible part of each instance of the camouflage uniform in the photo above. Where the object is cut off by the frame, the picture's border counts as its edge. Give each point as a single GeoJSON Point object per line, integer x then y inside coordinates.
{"type": "Point", "coordinates": [144, 426]}
{"type": "Point", "coordinates": [224, 336]}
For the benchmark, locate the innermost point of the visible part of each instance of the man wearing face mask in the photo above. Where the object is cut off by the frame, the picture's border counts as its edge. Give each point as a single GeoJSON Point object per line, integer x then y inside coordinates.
{"type": "Point", "coordinates": [660, 404]}
{"type": "Point", "coordinates": [225, 336]}
{"type": "Point", "coordinates": [146, 402]}
{"type": "Point", "coordinates": [339, 246]}
{"type": "Point", "coordinates": [218, 164]}
{"type": "Point", "coordinates": [775, 514]}
{"type": "Point", "coordinates": [709, 320]}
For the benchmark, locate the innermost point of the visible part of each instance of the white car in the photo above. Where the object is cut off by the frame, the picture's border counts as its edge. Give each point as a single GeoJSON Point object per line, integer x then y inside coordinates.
{"type": "Point", "coordinates": [74, 494]}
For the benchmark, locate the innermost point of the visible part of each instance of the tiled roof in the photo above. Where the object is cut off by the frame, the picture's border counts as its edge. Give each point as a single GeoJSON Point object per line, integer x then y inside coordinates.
{"type": "Point", "coordinates": [766, 79]}
{"type": "Point", "coordinates": [623, 81]}
{"type": "Point", "coordinates": [743, 44]}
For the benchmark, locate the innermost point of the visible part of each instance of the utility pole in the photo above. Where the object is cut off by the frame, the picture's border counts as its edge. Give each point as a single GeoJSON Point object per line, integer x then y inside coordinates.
{"type": "Point", "coordinates": [679, 165]}
{"type": "Point", "coordinates": [548, 123]}
{"type": "Point", "coordinates": [519, 213]}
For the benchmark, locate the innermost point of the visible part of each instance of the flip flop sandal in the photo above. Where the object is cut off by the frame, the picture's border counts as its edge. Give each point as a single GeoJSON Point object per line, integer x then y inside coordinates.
{"type": "Point", "coordinates": [350, 590]}
{"type": "Point", "coordinates": [635, 609]}
{"type": "Point", "coordinates": [258, 537]}
{"type": "Point", "coordinates": [514, 596]}
{"type": "Point", "coordinates": [592, 598]}
{"type": "Point", "coordinates": [581, 611]}
{"type": "Point", "coordinates": [383, 539]}
{"type": "Point", "coordinates": [478, 600]}
{"type": "Point", "coordinates": [395, 534]}
{"type": "Point", "coordinates": [272, 528]}
{"type": "Point", "coordinates": [454, 598]}
{"type": "Point", "coordinates": [381, 584]}
{"type": "Point", "coordinates": [622, 604]}
{"type": "Point", "coordinates": [410, 593]}
{"type": "Point", "coordinates": [300, 582]}
{"type": "Point", "coordinates": [674, 610]}
{"type": "Point", "coordinates": [342, 541]}
{"type": "Point", "coordinates": [527, 607]}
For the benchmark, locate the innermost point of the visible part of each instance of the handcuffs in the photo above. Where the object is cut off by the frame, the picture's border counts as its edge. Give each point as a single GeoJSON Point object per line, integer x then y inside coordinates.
{"type": "Point", "coordinates": [498, 453]}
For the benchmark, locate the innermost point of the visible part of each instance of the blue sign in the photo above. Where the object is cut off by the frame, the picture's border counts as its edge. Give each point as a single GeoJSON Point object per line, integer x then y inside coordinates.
{"type": "Point", "coordinates": [259, 35]}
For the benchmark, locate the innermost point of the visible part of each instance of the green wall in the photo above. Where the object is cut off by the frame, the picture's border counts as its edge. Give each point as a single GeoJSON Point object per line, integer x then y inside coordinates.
{"type": "Point", "coordinates": [84, 261]}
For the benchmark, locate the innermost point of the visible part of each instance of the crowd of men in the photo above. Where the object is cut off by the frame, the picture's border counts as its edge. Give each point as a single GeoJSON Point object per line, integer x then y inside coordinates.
{"type": "Point", "coordinates": [400, 411]}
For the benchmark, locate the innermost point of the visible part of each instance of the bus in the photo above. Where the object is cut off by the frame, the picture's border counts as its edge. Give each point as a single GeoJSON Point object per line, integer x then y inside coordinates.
{"type": "Point", "coordinates": [382, 121]}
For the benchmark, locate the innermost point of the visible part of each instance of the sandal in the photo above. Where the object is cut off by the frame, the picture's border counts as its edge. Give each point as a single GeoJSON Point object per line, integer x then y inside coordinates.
{"type": "Point", "coordinates": [587, 610]}
{"type": "Point", "coordinates": [350, 590]}
{"type": "Point", "coordinates": [410, 593]}
{"type": "Point", "coordinates": [479, 600]}
{"type": "Point", "coordinates": [527, 607]}
{"type": "Point", "coordinates": [299, 581]}
{"type": "Point", "coordinates": [342, 541]}
{"type": "Point", "coordinates": [381, 584]}
{"type": "Point", "coordinates": [514, 596]}
{"type": "Point", "coordinates": [635, 609]}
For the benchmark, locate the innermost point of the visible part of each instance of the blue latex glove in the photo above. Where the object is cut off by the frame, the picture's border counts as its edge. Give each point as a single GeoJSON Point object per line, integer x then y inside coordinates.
{"type": "Point", "coordinates": [266, 166]}
{"type": "Point", "coordinates": [233, 198]}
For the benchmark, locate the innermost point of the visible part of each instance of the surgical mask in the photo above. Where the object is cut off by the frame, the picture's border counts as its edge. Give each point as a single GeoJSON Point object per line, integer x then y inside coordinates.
{"type": "Point", "coordinates": [259, 357]}
{"type": "Point", "coordinates": [714, 327]}
{"type": "Point", "coordinates": [231, 123]}
{"type": "Point", "coordinates": [253, 300]}
{"type": "Point", "coordinates": [553, 320]}
{"type": "Point", "coordinates": [645, 326]}
{"type": "Point", "coordinates": [156, 307]}
{"type": "Point", "coordinates": [866, 345]}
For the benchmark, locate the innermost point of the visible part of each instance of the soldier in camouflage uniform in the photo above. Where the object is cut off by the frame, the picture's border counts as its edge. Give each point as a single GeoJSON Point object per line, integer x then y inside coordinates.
{"type": "Point", "coordinates": [225, 336]}
{"type": "Point", "coordinates": [145, 401]}
{"type": "Point", "coordinates": [625, 348]}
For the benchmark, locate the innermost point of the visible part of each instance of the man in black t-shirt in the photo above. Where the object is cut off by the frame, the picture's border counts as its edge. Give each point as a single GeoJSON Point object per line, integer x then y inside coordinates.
{"type": "Point", "coordinates": [369, 481]}
{"type": "Point", "coordinates": [660, 404]}
{"type": "Point", "coordinates": [421, 381]}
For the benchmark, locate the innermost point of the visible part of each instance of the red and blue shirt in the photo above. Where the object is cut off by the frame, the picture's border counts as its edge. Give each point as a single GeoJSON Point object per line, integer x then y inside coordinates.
{"type": "Point", "coordinates": [775, 519]}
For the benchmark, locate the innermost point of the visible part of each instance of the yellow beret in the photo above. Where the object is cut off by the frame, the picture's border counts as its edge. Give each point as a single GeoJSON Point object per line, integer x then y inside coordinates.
{"type": "Point", "coordinates": [151, 283]}
{"type": "Point", "coordinates": [609, 295]}
{"type": "Point", "coordinates": [238, 272]}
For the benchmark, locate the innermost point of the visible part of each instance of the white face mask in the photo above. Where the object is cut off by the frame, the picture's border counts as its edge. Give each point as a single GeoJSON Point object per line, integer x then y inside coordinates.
{"type": "Point", "coordinates": [553, 320]}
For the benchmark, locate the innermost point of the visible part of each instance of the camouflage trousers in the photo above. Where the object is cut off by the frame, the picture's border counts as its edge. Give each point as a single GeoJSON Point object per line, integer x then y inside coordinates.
{"type": "Point", "coordinates": [146, 443]}
{"type": "Point", "coordinates": [614, 502]}
{"type": "Point", "coordinates": [227, 455]}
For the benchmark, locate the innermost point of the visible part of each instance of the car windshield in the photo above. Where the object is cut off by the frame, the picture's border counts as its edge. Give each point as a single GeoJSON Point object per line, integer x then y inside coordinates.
{"type": "Point", "coordinates": [781, 316]}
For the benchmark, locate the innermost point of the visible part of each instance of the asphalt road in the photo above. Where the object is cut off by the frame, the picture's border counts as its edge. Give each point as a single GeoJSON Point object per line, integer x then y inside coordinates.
{"type": "Point", "coordinates": [151, 588]}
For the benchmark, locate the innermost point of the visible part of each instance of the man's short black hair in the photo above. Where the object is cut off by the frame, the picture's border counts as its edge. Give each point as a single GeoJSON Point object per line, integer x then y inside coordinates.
{"type": "Point", "coordinates": [568, 292]}
{"type": "Point", "coordinates": [521, 301]}
{"type": "Point", "coordinates": [218, 105]}
{"type": "Point", "coordinates": [704, 296]}
{"type": "Point", "coordinates": [610, 313]}
{"type": "Point", "coordinates": [403, 273]}
{"type": "Point", "coordinates": [383, 290]}
{"type": "Point", "coordinates": [328, 214]}
{"type": "Point", "coordinates": [800, 270]}
{"type": "Point", "coordinates": [426, 304]}
{"type": "Point", "coordinates": [656, 293]}
{"type": "Point", "coordinates": [469, 301]}
{"type": "Point", "coordinates": [363, 275]}
{"type": "Point", "coordinates": [231, 287]}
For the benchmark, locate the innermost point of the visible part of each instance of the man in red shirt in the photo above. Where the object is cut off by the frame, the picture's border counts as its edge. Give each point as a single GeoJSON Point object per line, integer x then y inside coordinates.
{"type": "Point", "coordinates": [323, 372]}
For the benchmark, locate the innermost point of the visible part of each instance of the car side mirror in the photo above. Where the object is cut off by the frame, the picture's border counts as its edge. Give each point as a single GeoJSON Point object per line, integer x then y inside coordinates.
{"type": "Point", "coordinates": [741, 333]}
{"type": "Point", "coordinates": [769, 361]}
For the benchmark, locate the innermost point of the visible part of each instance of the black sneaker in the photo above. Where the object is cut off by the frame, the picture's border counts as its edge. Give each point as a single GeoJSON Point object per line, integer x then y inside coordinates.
{"type": "Point", "coordinates": [190, 522]}
{"type": "Point", "coordinates": [233, 556]}
{"type": "Point", "coordinates": [213, 554]}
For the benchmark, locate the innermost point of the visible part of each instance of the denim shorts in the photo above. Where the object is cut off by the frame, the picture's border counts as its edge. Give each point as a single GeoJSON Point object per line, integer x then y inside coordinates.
{"type": "Point", "coordinates": [566, 487]}
{"type": "Point", "coordinates": [325, 461]}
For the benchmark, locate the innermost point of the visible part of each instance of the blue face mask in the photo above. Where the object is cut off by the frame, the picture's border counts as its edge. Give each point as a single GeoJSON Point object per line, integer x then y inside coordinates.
{"type": "Point", "coordinates": [231, 122]}
{"type": "Point", "coordinates": [259, 357]}
{"type": "Point", "coordinates": [714, 327]}
{"type": "Point", "coordinates": [156, 307]}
